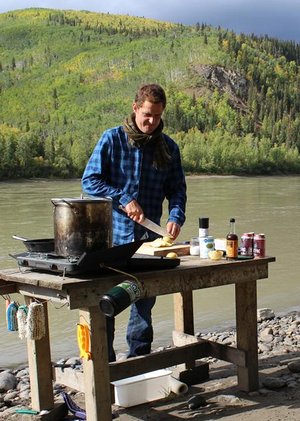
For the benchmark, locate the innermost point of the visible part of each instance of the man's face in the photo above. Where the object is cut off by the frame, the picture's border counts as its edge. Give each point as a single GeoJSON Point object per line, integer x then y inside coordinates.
{"type": "Point", "coordinates": [148, 116]}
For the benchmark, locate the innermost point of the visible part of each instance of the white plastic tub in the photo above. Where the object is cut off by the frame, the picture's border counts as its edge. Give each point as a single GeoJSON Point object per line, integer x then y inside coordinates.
{"type": "Point", "coordinates": [143, 388]}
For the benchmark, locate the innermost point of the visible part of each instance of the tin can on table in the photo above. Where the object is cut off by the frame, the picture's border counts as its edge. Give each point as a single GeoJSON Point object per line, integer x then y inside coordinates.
{"type": "Point", "coordinates": [206, 244]}
{"type": "Point", "coordinates": [247, 244]}
{"type": "Point", "coordinates": [259, 245]}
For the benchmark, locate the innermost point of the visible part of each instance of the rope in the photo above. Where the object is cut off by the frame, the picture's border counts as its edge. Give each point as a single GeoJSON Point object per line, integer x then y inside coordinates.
{"type": "Point", "coordinates": [22, 321]}
{"type": "Point", "coordinates": [123, 273]}
{"type": "Point", "coordinates": [11, 316]}
{"type": "Point", "coordinates": [36, 327]}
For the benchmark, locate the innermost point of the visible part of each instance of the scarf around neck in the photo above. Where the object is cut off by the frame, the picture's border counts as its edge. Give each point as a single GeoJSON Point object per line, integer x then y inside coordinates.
{"type": "Point", "coordinates": [138, 139]}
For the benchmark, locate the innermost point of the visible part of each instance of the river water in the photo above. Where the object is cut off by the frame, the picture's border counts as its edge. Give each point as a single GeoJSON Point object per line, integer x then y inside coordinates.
{"type": "Point", "coordinates": [261, 204]}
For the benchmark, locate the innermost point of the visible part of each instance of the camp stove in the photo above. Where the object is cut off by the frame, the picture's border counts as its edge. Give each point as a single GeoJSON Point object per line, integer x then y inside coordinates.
{"type": "Point", "coordinates": [123, 256]}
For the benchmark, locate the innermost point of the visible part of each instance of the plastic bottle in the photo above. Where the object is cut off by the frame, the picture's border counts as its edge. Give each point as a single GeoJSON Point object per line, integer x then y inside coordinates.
{"type": "Point", "coordinates": [120, 297]}
{"type": "Point", "coordinates": [231, 242]}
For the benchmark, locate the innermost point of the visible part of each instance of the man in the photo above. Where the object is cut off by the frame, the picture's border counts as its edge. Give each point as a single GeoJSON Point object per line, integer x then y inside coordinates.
{"type": "Point", "coordinates": [138, 167]}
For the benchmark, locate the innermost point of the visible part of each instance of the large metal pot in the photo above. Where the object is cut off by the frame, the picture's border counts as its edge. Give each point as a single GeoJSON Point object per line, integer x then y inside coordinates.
{"type": "Point", "coordinates": [82, 225]}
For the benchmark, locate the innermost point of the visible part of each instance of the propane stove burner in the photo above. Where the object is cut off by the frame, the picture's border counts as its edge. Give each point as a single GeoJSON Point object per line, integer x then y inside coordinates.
{"type": "Point", "coordinates": [51, 256]}
{"type": "Point", "coordinates": [123, 256]}
{"type": "Point", "coordinates": [49, 262]}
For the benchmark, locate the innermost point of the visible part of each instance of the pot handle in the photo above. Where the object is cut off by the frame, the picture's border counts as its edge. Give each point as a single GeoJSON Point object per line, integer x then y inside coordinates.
{"type": "Point", "coordinates": [57, 201]}
{"type": "Point", "coordinates": [17, 237]}
{"type": "Point", "coordinates": [67, 203]}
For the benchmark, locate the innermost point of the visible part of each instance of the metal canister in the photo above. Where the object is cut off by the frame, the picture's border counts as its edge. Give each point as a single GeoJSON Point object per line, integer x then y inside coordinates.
{"type": "Point", "coordinates": [247, 244]}
{"type": "Point", "coordinates": [259, 245]}
{"type": "Point", "coordinates": [206, 244]}
{"type": "Point", "coordinates": [120, 297]}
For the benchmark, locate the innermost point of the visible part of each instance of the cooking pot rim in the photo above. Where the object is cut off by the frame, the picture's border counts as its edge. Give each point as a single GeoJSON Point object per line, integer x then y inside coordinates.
{"type": "Point", "coordinates": [57, 201]}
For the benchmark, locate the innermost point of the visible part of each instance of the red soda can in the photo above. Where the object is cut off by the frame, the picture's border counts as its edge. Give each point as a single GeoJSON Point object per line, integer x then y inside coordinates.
{"type": "Point", "coordinates": [247, 244]}
{"type": "Point", "coordinates": [259, 245]}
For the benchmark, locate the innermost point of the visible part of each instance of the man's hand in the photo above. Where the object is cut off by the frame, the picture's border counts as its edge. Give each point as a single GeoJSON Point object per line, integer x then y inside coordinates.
{"type": "Point", "coordinates": [173, 229]}
{"type": "Point", "coordinates": [134, 211]}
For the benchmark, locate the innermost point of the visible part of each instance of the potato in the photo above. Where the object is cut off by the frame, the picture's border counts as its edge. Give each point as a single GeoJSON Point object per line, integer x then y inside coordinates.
{"type": "Point", "coordinates": [168, 241]}
{"type": "Point", "coordinates": [162, 242]}
{"type": "Point", "coordinates": [157, 243]}
{"type": "Point", "coordinates": [172, 255]}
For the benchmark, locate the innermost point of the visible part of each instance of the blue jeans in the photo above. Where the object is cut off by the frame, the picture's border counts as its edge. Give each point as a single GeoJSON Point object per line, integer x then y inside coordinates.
{"type": "Point", "coordinates": [139, 330]}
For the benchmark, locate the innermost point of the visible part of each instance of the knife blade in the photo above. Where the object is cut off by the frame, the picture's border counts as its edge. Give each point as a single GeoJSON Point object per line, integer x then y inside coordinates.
{"type": "Point", "coordinates": [152, 226]}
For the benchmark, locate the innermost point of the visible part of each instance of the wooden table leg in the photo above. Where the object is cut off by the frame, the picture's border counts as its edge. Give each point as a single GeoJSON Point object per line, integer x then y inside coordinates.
{"type": "Point", "coordinates": [96, 370]}
{"type": "Point", "coordinates": [40, 368]}
{"type": "Point", "coordinates": [246, 331]}
{"type": "Point", "coordinates": [184, 315]}
{"type": "Point", "coordinates": [183, 312]}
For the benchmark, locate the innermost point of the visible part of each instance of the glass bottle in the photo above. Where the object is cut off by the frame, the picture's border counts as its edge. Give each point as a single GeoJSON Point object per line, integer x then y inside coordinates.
{"type": "Point", "coordinates": [231, 242]}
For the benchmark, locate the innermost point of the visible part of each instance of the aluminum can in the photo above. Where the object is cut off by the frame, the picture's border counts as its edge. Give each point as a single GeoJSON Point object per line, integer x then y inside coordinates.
{"type": "Point", "coordinates": [247, 244]}
{"type": "Point", "coordinates": [259, 245]}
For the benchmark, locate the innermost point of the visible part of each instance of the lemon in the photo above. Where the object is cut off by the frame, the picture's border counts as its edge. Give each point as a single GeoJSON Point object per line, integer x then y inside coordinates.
{"type": "Point", "coordinates": [215, 254]}
{"type": "Point", "coordinates": [172, 255]}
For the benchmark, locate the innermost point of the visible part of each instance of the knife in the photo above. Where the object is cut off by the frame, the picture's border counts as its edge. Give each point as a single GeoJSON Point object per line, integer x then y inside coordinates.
{"type": "Point", "coordinates": [150, 225]}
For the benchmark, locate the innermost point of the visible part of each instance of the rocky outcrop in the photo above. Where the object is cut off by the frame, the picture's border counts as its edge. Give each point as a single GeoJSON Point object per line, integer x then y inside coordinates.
{"type": "Point", "coordinates": [225, 81]}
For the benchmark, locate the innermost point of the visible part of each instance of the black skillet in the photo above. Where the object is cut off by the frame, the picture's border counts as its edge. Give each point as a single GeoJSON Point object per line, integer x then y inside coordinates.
{"type": "Point", "coordinates": [41, 245]}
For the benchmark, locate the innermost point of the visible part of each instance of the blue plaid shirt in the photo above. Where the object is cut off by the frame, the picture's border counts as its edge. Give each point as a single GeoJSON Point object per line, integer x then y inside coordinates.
{"type": "Point", "coordinates": [125, 173]}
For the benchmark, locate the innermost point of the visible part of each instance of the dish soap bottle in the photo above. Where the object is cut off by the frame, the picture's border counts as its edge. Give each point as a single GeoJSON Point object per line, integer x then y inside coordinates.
{"type": "Point", "coordinates": [231, 242]}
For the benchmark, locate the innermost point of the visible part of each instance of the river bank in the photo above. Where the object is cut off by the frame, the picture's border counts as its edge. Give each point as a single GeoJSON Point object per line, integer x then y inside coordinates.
{"type": "Point", "coordinates": [217, 398]}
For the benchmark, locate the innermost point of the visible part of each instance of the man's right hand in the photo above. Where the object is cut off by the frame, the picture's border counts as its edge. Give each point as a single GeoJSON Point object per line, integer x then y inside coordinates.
{"type": "Point", "coordinates": [134, 211]}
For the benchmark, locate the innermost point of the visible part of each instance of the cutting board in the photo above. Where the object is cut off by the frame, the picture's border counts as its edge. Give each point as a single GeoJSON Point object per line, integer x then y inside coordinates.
{"type": "Point", "coordinates": [180, 249]}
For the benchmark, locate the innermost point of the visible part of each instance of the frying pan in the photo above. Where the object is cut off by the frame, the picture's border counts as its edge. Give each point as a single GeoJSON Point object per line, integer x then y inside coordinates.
{"type": "Point", "coordinates": [41, 245]}
{"type": "Point", "coordinates": [113, 256]}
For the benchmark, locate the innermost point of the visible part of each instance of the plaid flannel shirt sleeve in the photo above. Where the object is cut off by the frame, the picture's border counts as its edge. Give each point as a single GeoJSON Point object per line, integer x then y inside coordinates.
{"type": "Point", "coordinates": [175, 189]}
{"type": "Point", "coordinates": [98, 179]}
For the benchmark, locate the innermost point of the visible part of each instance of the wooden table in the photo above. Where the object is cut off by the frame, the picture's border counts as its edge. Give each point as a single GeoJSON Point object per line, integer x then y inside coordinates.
{"type": "Point", "coordinates": [83, 293]}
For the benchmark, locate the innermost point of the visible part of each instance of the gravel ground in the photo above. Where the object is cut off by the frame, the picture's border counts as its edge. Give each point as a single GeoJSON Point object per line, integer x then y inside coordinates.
{"type": "Point", "coordinates": [278, 397]}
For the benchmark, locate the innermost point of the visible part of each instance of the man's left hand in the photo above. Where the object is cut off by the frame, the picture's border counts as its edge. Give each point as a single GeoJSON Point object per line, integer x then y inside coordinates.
{"type": "Point", "coordinates": [173, 229]}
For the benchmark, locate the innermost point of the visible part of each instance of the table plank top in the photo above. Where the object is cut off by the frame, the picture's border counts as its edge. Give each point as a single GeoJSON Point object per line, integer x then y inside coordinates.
{"type": "Point", "coordinates": [190, 267]}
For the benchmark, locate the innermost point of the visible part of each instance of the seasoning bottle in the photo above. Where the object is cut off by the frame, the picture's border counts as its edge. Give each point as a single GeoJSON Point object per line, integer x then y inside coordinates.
{"type": "Point", "coordinates": [203, 226]}
{"type": "Point", "coordinates": [231, 242]}
{"type": "Point", "coordinates": [206, 242]}
{"type": "Point", "coordinates": [120, 297]}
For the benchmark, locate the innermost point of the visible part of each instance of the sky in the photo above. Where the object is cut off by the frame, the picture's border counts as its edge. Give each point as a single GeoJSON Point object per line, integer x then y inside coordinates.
{"type": "Point", "coordinates": [275, 18]}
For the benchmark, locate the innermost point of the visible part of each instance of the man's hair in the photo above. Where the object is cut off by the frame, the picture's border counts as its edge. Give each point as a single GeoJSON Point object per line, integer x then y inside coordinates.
{"type": "Point", "coordinates": [151, 92]}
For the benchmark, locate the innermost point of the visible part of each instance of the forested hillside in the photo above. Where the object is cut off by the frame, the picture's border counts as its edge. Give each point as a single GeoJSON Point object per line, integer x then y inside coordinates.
{"type": "Point", "coordinates": [65, 76]}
